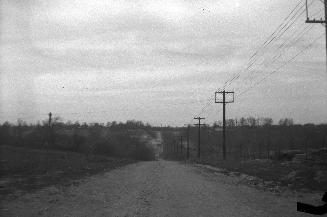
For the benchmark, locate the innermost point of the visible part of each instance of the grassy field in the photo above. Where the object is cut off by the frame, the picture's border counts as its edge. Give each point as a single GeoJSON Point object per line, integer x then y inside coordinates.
{"type": "Point", "coordinates": [30, 169]}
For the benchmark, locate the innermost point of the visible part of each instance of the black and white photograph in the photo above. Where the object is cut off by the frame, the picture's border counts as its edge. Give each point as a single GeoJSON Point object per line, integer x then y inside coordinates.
{"type": "Point", "coordinates": [163, 108]}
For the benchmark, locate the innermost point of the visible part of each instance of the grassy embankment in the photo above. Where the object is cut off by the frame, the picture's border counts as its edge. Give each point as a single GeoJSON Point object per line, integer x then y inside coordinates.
{"type": "Point", "coordinates": [25, 169]}
{"type": "Point", "coordinates": [308, 174]}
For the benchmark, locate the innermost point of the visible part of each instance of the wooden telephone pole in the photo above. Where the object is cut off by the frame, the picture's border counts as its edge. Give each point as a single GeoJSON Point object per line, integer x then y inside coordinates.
{"type": "Point", "coordinates": [181, 145]}
{"type": "Point", "coordinates": [50, 129]}
{"type": "Point", "coordinates": [321, 21]}
{"type": "Point", "coordinates": [49, 123]}
{"type": "Point", "coordinates": [188, 142]}
{"type": "Point", "coordinates": [224, 102]}
{"type": "Point", "coordinates": [199, 134]}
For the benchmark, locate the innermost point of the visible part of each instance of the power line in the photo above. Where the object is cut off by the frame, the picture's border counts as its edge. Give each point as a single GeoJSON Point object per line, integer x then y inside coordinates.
{"type": "Point", "coordinates": [257, 83]}
{"type": "Point", "coordinates": [270, 39]}
{"type": "Point", "coordinates": [285, 47]}
{"type": "Point", "coordinates": [285, 25]}
{"type": "Point", "coordinates": [278, 37]}
{"type": "Point", "coordinates": [277, 30]}
{"type": "Point", "coordinates": [293, 37]}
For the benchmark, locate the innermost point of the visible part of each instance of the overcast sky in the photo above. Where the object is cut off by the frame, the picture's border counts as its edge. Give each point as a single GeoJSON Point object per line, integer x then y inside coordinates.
{"type": "Point", "coordinates": [156, 61]}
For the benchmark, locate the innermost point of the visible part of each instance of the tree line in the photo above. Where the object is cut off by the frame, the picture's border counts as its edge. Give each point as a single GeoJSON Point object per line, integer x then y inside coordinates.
{"type": "Point", "coordinates": [249, 138]}
{"type": "Point", "coordinates": [253, 122]}
{"type": "Point", "coordinates": [116, 139]}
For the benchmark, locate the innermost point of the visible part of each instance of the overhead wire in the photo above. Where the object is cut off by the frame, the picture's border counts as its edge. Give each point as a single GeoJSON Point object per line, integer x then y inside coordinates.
{"type": "Point", "coordinates": [282, 50]}
{"type": "Point", "coordinates": [287, 62]}
{"type": "Point", "coordinates": [276, 38]}
{"type": "Point", "coordinates": [284, 29]}
{"type": "Point", "coordinates": [286, 23]}
{"type": "Point", "coordinates": [277, 34]}
{"type": "Point", "coordinates": [285, 46]}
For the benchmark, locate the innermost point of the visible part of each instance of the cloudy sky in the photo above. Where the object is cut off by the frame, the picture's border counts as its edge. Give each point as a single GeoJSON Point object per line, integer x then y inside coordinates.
{"type": "Point", "coordinates": [160, 61]}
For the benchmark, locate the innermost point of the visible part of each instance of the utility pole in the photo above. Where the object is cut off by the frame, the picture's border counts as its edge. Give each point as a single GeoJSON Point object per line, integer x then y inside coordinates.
{"type": "Point", "coordinates": [224, 102]}
{"type": "Point", "coordinates": [181, 145]}
{"type": "Point", "coordinates": [321, 21]}
{"type": "Point", "coordinates": [50, 115]}
{"type": "Point", "coordinates": [199, 133]}
{"type": "Point", "coordinates": [164, 149]}
{"type": "Point", "coordinates": [175, 147]}
{"type": "Point", "coordinates": [188, 143]}
{"type": "Point", "coordinates": [49, 128]}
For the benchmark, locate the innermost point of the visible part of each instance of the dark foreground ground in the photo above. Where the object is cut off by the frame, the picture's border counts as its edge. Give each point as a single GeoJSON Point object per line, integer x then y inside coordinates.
{"type": "Point", "coordinates": [154, 189]}
{"type": "Point", "coordinates": [55, 183]}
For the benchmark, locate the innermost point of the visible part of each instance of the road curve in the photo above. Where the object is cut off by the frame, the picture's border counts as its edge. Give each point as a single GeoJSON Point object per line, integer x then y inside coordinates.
{"type": "Point", "coordinates": [153, 189]}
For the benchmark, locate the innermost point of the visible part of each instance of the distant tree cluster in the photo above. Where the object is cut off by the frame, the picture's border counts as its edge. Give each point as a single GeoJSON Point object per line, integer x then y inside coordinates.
{"type": "Point", "coordinates": [251, 138]}
{"type": "Point", "coordinates": [246, 137]}
{"type": "Point", "coordinates": [286, 122]}
{"type": "Point", "coordinates": [254, 122]}
{"type": "Point", "coordinates": [249, 121]}
{"type": "Point", "coordinates": [113, 139]}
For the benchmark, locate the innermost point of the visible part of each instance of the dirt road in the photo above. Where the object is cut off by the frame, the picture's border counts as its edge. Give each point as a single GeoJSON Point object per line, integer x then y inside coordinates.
{"type": "Point", "coordinates": [153, 189]}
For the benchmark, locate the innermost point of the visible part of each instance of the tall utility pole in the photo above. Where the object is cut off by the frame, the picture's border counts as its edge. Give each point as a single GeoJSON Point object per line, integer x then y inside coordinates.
{"type": "Point", "coordinates": [49, 129]}
{"type": "Point", "coordinates": [188, 142]}
{"type": "Point", "coordinates": [224, 102]}
{"type": "Point", "coordinates": [50, 115]}
{"type": "Point", "coordinates": [321, 21]}
{"type": "Point", "coordinates": [164, 149]}
{"type": "Point", "coordinates": [199, 133]}
{"type": "Point", "coordinates": [181, 145]}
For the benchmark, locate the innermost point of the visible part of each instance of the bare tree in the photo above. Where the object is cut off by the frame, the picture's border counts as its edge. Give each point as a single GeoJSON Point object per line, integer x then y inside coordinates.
{"type": "Point", "coordinates": [286, 122]}
{"type": "Point", "coordinates": [243, 122]}
{"type": "Point", "coordinates": [267, 121]}
{"type": "Point", "coordinates": [251, 121]}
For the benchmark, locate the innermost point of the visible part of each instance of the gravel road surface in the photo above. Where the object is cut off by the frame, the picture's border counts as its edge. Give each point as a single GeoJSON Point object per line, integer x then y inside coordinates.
{"type": "Point", "coordinates": [153, 189]}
